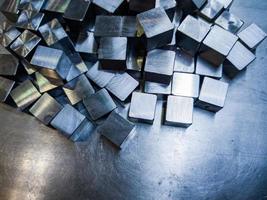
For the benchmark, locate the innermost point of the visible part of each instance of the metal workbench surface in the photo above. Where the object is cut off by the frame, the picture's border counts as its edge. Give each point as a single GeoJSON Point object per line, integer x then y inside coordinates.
{"type": "Point", "coordinates": [219, 157]}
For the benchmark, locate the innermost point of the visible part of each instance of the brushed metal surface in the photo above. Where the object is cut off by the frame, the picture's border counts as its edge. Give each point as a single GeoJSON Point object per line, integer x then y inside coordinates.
{"type": "Point", "coordinates": [109, 6]}
{"type": "Point", "coordinates": [45, 109]}
{"type": "Point", "coordinates": [184, 62]}
{"type": "Point", "coordinates": [8, 64]}
{"type": "Point", "coordinates": [142, 107]}
{"type": "Point", "coordinates": [99, 104]}
{"type": "Point", "coordinates": [226, 3]}
{"type": "Point", "coordinates": [158, 88]}
{"type": "Point", "coordinates": [31, 4]}
{"type": "Point", "coordinates": [45, 84]}
{"type": "Point", "coordinates": [186, 85]}
{"type": "Point", "coordinates": [212, 10]}
{"type": "Point", "coordinates": [77, 10]}
{"type": "Point", "coordinates": [6, 86]}
{"type": "Point", "coordinates": [205, 68]}
{"type": "Point", "coordinates": [179, 111]}
{"type": "Point", "coordinates": [29, 20]}
{"type": "Point", "coordinates": [8, 33]}
{"type": "Point", "coordinates": [86, 43]}
{"type": "Point", "coordinates": [59, 6]}
{"type": "Point", "coordinates": [10, 9]}
{"type": "Point", "coordinates": [83, 132]}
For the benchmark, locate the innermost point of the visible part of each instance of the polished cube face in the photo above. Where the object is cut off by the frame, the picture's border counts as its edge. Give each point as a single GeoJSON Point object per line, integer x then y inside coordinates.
{"type": "Point", "coordinates": [107, 5]}
{"type": "Point", "coordinates": [46, 108]}
{"type": "Point", "coordinates": [159, 66]}
{"type": "Point", "coordinates": [8, 33]}
{"type": "Point", "coordinates": [184, 62]}
{"type": "Point", "coordinates": [212, 94]}
{"type": "Point", "coordinates": [191, 33]}
{"type": "Point", "coordinates": [45, 84]}
{"type": "Point", "coordinates": [82, 133]}
{"type": "Point", "coordinates": [238, 59]}
{"type": "Point", "coordinates": [10, 9]}
{"type": "Point", "coordinates": [157, 27]}
{"type": "Point", "coordinates": [229, 22]}
{"type": "Point", "coordinates": [99, 104]}
{"type": "Point", "coordinates": [86, 44]}
{"type": "Point", "coordinates": [112, 53]}
{"type": "Point", "coordinates": [186, 85]}
{"type": "Point", "coordinates": [122, 85]}
{"type": "Point", "coordinates": [143, 107]}
{"type": "Point", "coordinates": [158, 88]}
{"type": "Point", "coordinates": [29, 20]}
{"type": "Point", "coordinates": [77, 10]}
{"type": "Point", "coordinates": [58, 6]}
{"type": "Point", "coordinates": [179, 111]}
{"type": "Point", "coordinates": [212, 10]}
{"type": "Point", "coordinates": [168, 5]}
{"type": "Point", "coordinates": [116, 129]}
{"type": "Point", "coordinates": [217, 45]}
{"type": "Point", "coordinates": [6, 86]}
{"type": "Point", "coordinates": [205, 68]}
{"type": "Point", "coordinates": [252, 36]}
{"type": "Point", "coordinates": [8, 65]}
{"type": "Point", "coordinates": [35, 5]}
{"type": "Point", "coordinates": [78, 89]}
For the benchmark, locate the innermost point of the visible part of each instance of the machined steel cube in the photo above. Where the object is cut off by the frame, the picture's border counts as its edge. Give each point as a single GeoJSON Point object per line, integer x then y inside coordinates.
{"type": "Point", "coordinates": [86, 45]}
{"type": "Point", "coordinates": [67, 120]}
{"type": "Point", "coordinates": [8, 33]}
{"type": "Point", "coordinates": [186, 85]}
{"type": "Point", "coordinates": [25, 94]}
{"type": "Point", "coordinates": [45, 84]}
{"type": "Point", "coordinates": [191, 33]}
{"type": "Point", "coordinates": [116, 129]}
{"type": "Point", "coordinates": [237, 60]}
{"type": "Point", "coordinates": [25, 43]}
{"type": "Point", "coordinates": [168, 5]}
{"type": "Point", "coordinates": [179, 111]}
{"type": "Point", "coordinates": [156, 28]}
{"type": "Point", "coordinates": [109, 6]}
{"type": "Point", "coordinates": [82, 133]}
{"type": "Point", "coordinates": [6, 86]}
{"type": "Point", "coordinates": [212, 95]}
{"type": "Point", "coordinates": [112, 53]}
{"type": "Point", "coordinates": [159, 66]}
{"type": "Point", "coordinates": [229, 22]}
{"type": "Point", "coordinates": [141, 6]}
{"type": "Point", "coordinates": [212, 10]}
{"type": "Point", "coordinates": [10, 9]}
{"type": "Point", "coordinates": [8, 65]}
{"type": "Point", "coordinates": [184, 62]}
{"type": "Point", "coordinates": [45, 109]}
{"type": "Point", "coordinates": [252, 36]}
{"type": "Point", "coordinates": [217, 45]}
{"type": "Point", "coordinates": [30, 20]}
{"type": "Point", "coordinates": [59, 6]}
{"type": "Point", "coordinates": [158, 89]}
{"type": "Point", "coordinates": [143, 107]}
{"type": "Point", "coordinates": [122, 85]}
{"type": "Point", "coordinates": [33, 5]}
{"type": "Point", "coordinates": [204, 68]}
{"type": "Point", "coordinates": [99, 104]}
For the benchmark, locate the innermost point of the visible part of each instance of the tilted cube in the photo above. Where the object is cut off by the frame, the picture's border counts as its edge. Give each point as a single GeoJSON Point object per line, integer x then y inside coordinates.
{"type": "Point", "coordinates": [8, 33]}
{"type": "Point", "coordinates": [184, 62]}
{"type": "Point", "coordinates": [6, 86]}
{"type": "Point", "coordinates": [109, 6]}
{"type": "Point", "coordinates": [32, 5]}
{"type": "Point", "coordinates": [205, 68]}
{"type": "Point", "coordinates": [29, 20]}
{"type": "Point", "coordinates": [229, 22]}
{"type": "Point", "coordinates": [212, 10]}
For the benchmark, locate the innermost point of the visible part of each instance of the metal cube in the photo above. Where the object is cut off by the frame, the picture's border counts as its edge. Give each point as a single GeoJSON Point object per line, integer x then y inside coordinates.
{"type": "Point", "coordinates": [8, 33]}
{"type": "Point", "coordinates": [86, 45]}
{"type": "Point", "coordinates": [191, 33]}
{"type": "Point", "coordinates": [212, 95]}
{"type": "Point", "coordinates": [179, 111]}
{"type": "Point", "coordinates": [45, 84]}
{"type": "Point", "coordinates": [186, 85]}
{"type": "Point", "coordinates": [158, 89]}
{"type": "Point", "coordinates": [35, 5]}
{"type": "Point", "coordinates": [59, 6]}
{"type": "Point", "coordinates": [191, 6]}
{"type": "Point", "coordinates": [8, 65]}
{"type": "Point", "coordinates": [25, 43]}
{"type": "Point", "coordinates": [45, 109]}
{"type": "Point", "coordinates": [67, 120]}
{"type": "Point", "coordinates": [205, 68]}
{"type": "Point", "coordinates": [184, 62]}
{"type": "Point", "coordinates": [237, 60]}
{"type": "Point", "coordinates": [168, 5]}
{"type": "Point", "coordinates": [252, 36]}
{"type": "Point", "coordinates": [156, 27]}
{"type": "Point", "coordinates": [108, 6]}
{"type": "Point", "coordinates": [226, 3]}
{"type": "Point", "coordinates": [82, 133]}
{"type": "Point", "coordinates": [116, 129]}
{"type": "Point", "coordinates": [122, 85]}
{"type": "Point", "coordinates": [212, 10]}
{"type": "Point", "coordinates": [229, 22]}
{"type": "Point", "coordinates": [112, 53]}
{"type": "Point", "coordinates": [159, 66]}
{"type": "Point", "coordinates": [217, 45]}
{"type": "Point", "coordinates": [29, 20]}
{"type": "Point", "coordinates": [10, 9]}
{"type": "Point", "coordinates": [6, 86]}
{"type": "Point", "coordinates": [25, 94]}
{"type": "Point", "coordinates": [143, 107]}
{"type": "Point", "coordinates": [78, 89]}
{"type": "Point", "coordinates": [99, 104]}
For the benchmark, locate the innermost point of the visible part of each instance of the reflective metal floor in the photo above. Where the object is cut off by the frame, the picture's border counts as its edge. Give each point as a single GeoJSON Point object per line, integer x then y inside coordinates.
{"type": "Point", "coordinates": [220, 157]}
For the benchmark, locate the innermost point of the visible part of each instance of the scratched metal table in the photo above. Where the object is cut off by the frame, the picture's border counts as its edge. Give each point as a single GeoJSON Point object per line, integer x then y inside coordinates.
{"type": "Point", "coordinates": [222, 156]}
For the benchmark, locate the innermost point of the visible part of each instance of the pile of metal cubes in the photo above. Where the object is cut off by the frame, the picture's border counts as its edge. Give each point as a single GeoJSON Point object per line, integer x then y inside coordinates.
{"type": "Point", "coordinates": [73, 63]}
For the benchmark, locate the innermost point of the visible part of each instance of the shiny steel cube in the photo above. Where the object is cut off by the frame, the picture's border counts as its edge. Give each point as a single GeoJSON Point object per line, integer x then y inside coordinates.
{"type": "Point", "coordinates": [29, 20]}
{"type": "Point", "coordinates": [9, 64]}
{"type": "Point", "coordinates": [184, 62]}
{"type": "Point", "coordinates": [33, 5]}
{"type": "Point", "coordinates": [168, 5]}
{"type": "Point", "coordinates": [159, 66]}
{"type": "Point", "coordinates": [8, 33]}
{"type": "Point", "coordinates": [10, 9]}
{"type": "Point", "coordinates": [229, 22]}
{"type": "Point", "coordinates": [212, 95]}
{"type": "Point", "coordinates": [212, 10]}
{"type": "Point", "coordinates": [82, 133]}
{"type": "Point", "coordinates": [109, 6]}
{"type": "Point", "coordinates": [158, 89]}
{"type": "Point", "coordinates": [205, 68]}
{"type": "Point", "coordinates": [143, 107]}
{"type": "Point", "coordinates": [238, 59]}
{"type": "Point", "coordinates": [6, 86]}
{"type": "Point", "coordinates": [57, 7]}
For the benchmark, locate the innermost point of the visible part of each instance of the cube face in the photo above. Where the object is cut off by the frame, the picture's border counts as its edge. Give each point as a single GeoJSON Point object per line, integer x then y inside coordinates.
{"type": "Point", "coordinates": [229, 22]}
{"type": "Point", "coordinates": [30, 20]}
{"type": "Point", "coordinates": [159, 66]}
{"type": "Point", "coordinates": [143, 107]}
{"type": "Point", "coordinates": [9, 65]}
{"type": "Point", "coordinates": [67, 120]}
{"type": "Point", "coordinates": [226, 3]}
{"type": "Point", "coordinates": [109, 6]}
{"type": "Point", "coordinates": [25, 43]}
{"type": "Point", "coordinates": [6, 86]}
{"type": "Point", "coordinates": [252, 36]}
{"type": "Point", "coordinates": [99, 104]}
{"type": "Point", "coordinates": [158, 89]}
{"type": "Point", "coordinates": [86, 43]}
{"type": "Point", "coordinates": [238, 59]}
{"type": "Point", "coordinates": [34, 5]}
{"type": "Point", "coordinates": [45, 84]}
{"type": "Point", "coordinates": [77, 10]}
{"type": "Point", "coordinates": [212, 10]}
{"type": "Point", "coordinates": [82, 133]}
{"type": "Point", "coordinates": [122, 85]}
{"type": "Point", "coordinates": [112, 53]}
{"type": "Point", "coordinates": [78, 89]}
{"type": "Point", "coordinates": [25, 94]}
{"type": "Point", "coordinates": [8, 33]}
{"type": "Point", "coordinates": [186, 85]}
{"type": "Point", "coordinates": [179, 111]}
{"type": "Point", "coordinates": [212, 94]}
{"type": "Point", "coordinates": [116, 129]}
{"type": "Point", "coordinates": [205, 68]}
{"type": "Point", "coordinates": [184, 62]}
{"type": "Point", "coordinates": [59, 6]}
{"type": "Point", "coordinates": [100, 77]}
{"type": "Point", "coordinates": [10, 9]}
{"type": "Point", "coordinates": [217, 45]}
{"type": "Point", "coordinates": [46, 108]}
